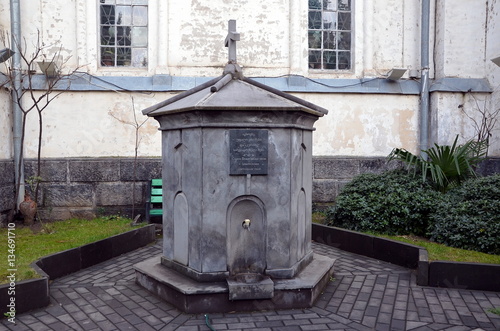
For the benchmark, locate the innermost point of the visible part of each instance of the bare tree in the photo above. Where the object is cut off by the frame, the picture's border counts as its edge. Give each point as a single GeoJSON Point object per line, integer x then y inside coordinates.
{"type": "Point", "coordinates": [137, 126]}
{"type": "Point", "coordinates": [483, 126]}
{"type": "Point", "coordinates": [55, 83]}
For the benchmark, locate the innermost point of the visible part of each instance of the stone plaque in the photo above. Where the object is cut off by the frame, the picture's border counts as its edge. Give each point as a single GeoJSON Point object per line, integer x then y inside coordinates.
{"type": "Point", "coordinates": [248, 152]}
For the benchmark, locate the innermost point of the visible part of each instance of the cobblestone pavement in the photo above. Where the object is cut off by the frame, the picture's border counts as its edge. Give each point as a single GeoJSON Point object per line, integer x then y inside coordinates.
{"type": "Point", "coordinates": [366, 294]}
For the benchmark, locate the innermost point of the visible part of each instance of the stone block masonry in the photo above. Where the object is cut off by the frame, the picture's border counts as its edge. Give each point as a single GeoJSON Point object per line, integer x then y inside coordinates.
{"type": "Point", "coordinates": [6, 190]}
{"type": "Point", "coordinates": [330, 174]}
{"type": "Point", "coordinates": [86, 187]}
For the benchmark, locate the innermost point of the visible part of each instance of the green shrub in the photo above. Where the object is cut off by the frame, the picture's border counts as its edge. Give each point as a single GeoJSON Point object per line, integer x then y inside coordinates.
{"type": "Point", "coordinates": [444, 166]}
{"type": "Point", "coordinates": [469, 216]}
{"type": "Point", "coordinates": [393, 203]}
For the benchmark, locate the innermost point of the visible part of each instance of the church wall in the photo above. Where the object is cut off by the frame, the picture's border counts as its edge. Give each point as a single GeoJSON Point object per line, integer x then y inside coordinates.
{"type": "Point", "coordinates": [365, 125]}
{"type": "Point", "coordinates": [186, 41]}
{"type": "Point", "coordinates": [86, 124]}
{"type": "Point", "coordinates": [368, 114]}
{"type": "Point", "coordinates": [461, 39]}
{"type": "Point", "coordinates": [186, 38]}
{"type": "Point", "coordinates": [493, 70]}
{"type": "Point", "coordinates": [5, 126]}
{"type": "Point", "coordinates": [78, 126]}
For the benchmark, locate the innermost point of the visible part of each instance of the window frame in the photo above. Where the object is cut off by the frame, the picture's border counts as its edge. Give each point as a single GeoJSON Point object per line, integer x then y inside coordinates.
{"type": "Point", "coordinates": [313, 31]}
{"type": "Point", "coordinates": [130, 56]}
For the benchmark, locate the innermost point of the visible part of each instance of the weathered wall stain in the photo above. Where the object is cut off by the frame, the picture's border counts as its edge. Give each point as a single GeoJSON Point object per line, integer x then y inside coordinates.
{"type": "Point", "coordinates": [79, 123]}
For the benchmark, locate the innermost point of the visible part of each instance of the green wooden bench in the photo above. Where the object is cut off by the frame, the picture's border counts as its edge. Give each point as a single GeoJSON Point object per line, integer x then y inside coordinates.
{"type": "Point", "coordinates": [154, 206]}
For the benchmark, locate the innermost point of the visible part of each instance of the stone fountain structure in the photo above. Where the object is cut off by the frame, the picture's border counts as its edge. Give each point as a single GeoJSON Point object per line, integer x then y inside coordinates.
{"type": "Point", "coordinates": [237, 187]}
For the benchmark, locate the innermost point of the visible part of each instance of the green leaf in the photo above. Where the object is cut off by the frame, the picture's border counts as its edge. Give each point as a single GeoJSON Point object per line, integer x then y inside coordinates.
{"type": "Point", "coordinates": [445, 166]}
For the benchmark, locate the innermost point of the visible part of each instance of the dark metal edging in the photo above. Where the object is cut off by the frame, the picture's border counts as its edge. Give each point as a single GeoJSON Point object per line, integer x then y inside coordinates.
{"type": "Point", "coordinates": [34, 293]}
{"type": "Point", "coordinates": [446, 274]}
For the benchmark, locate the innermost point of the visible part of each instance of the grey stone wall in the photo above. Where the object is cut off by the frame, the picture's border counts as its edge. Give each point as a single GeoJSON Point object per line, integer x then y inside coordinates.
{"type": "Point", "coordinates": [94, 186]}
{"type": "Point", "coordinates": [489, 166]}
{"type": "Point", "coordinates": [85, 187]}
{"type": "Point", "coordinates": [330, 174]}
{"type": "Point", "coordinates": [6, 190]}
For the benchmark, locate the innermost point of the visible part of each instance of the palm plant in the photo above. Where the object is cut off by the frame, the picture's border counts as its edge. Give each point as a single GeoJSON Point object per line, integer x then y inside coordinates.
{"type": "Point", "coordinates": [446, 166]}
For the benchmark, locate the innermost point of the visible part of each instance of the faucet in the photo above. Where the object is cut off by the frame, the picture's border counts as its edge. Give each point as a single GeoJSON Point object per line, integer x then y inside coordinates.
{"type": "Point", "coordinates": [246, 224]}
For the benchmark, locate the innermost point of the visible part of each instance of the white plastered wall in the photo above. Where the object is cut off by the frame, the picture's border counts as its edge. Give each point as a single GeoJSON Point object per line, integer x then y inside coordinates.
{"type": "Point", "coordinates": [460, 114]}
{"type": "Point", "coordinates": [467, 38]}
{"type": "Point", "coordinates": [365, 125]}
{"type": "Point", "coordinates": [492, 70]}
{"type": "Point", "coordinates": [186, 39]}
{"type": "Point", "coordinates": [461, 39]}
{"type": "Point", "coordinates": [86, 124]}
{"type": "Point", "coordinates": [5, 127]}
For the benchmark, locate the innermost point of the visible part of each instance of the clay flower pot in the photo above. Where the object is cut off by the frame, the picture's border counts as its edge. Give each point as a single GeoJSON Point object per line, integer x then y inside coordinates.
{"type": "Point", "coordinates": [28, 209]}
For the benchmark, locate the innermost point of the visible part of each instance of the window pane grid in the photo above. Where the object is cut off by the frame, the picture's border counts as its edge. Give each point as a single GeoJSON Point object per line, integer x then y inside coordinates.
{"type": "Point", "coordinates": [123, 33]}
{"type": "Point", "coordinates": [330, 34]}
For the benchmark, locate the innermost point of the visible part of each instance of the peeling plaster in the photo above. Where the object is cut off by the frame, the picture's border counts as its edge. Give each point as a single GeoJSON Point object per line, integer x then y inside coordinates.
{"type": "Point", "coordinates": [365, 124]}
{"type": "Point", "coordinates": [6, 147]}
{"type": "Point", "coordinates": [79, 124]}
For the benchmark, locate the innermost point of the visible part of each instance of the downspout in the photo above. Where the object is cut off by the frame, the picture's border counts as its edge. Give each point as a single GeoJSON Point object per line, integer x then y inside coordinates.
{"type": "Point", "coordinates": [424, 81]}
{"type": "Point", "coordinates": [15, 24]}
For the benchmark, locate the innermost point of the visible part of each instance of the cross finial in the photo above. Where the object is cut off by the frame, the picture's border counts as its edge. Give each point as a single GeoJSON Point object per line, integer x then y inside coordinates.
{"type": "Point", "coordinates": [231, 39]}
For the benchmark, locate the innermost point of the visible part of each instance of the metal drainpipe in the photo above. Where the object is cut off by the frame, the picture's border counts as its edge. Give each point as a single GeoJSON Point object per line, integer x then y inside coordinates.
{"type": "Point", "coordinates": [15, 23]}
{"type": "Point", "coordinates": [424, 63]}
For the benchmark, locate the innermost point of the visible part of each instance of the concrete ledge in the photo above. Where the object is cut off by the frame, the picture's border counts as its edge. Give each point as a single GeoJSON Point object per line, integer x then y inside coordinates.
{"type": "Point", "coordinates": [93, 182]}
{"type": "Point", "coordinates": [34, 293]}
{"type": "Point", "coordinates": [69, 261]}
{"type": "Point", "coordinates": [28, 295]}
{"type": "Point", "coordinates": [471, 276]}
{"type": "Point", "coordinates": [196, 297]}
{"type": "Point", "coordinates": [423, 268]}
{"type": "Point", "coordinates": [391, 251]}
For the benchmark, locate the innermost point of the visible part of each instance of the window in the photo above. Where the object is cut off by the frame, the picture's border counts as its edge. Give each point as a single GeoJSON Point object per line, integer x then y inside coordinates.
{"type": "Point", "coordinates": [330, 34]}
{"type": "Point", "coordinates": [123, 33]}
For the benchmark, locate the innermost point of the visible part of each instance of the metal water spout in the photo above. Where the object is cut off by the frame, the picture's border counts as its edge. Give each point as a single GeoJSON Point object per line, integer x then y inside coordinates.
{"type": "Point", "coordinates": [246, 224]}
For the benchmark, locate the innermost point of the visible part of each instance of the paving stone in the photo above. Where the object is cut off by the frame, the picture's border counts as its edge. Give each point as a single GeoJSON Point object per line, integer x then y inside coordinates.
{"type": "Point", "coordinates": [144, 327]}
{"type": "Point", "coordinates": [279, 317]}
{"type": "Point", "coordinates": [133, 319]}
{"type": "Point", "coordinates": [440, 318]}
{"type": "Point", "coordinates": [66, 318]}
{"type": "Point", "coordinates": [314, 327]}
{"type": "Point", "coordinates": [115, 318]}
{"type": "Point", "coordinates": [39, 326]}
{"type": "Point", "coordinates": [365, 295]}
{"type": "Point", "coordinates": [125, 326]}
{"type": "Point", "coordinates": [58, 326]}
{"type": "Point", "coordinates": [297, 322]}
{"type": "Point", "coordinates": [372, 311]}
{"type": "Point", "coordinates": [106, 325]}
{"type": "Point", "coordinates": [382, 327]}
{"type": "Point", "coordinates": [88, 325]}
{"type": "Point", "coordinates": [356, 315]}
{"type": "Point", "coordinates": [288, 328]}
{"type": "Point", "coordinates": [47, 319]}
{"type": "Point", "coordinates": [369, 321]}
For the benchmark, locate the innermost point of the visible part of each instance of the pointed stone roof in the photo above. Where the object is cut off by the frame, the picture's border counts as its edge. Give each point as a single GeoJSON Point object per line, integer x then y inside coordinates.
{"type": "Point", "coordinates": [233, 91]}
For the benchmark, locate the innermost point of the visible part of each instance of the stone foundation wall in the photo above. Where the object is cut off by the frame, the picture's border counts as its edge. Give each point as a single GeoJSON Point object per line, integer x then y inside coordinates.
{"type": "Point", "coordinates": [84, 188]}
{"type": "Point", "coordinates": [330, 174]}
{"type": "Point", "coordinates": [101, 186]}
{"type": "Point", "coordinates": [6, 190]}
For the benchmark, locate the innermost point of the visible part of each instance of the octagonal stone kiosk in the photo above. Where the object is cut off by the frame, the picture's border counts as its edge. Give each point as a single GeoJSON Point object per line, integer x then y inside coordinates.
{"type": "Point", "coordinates": [237, 185]}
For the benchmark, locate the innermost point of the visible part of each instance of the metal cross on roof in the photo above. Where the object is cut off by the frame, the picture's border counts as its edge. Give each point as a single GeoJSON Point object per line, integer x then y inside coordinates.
{"type": "Point", "coordinates": [231, 39]}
